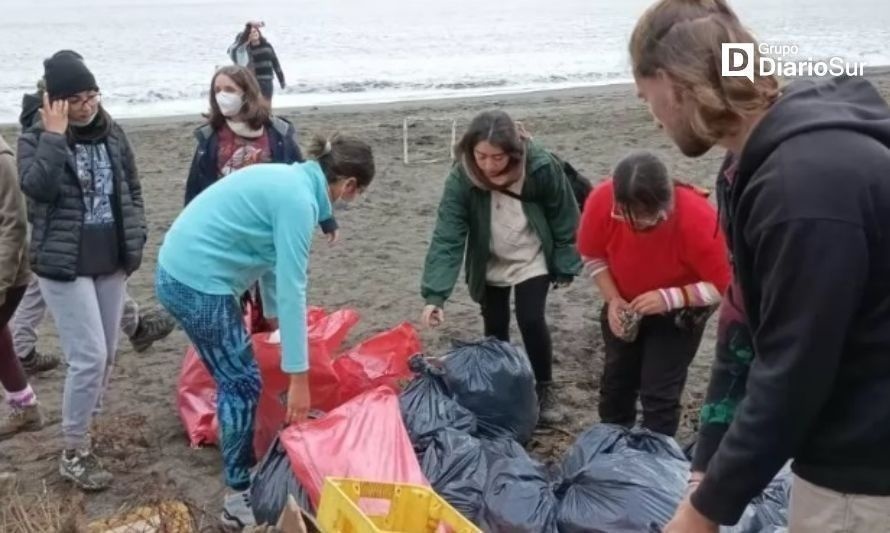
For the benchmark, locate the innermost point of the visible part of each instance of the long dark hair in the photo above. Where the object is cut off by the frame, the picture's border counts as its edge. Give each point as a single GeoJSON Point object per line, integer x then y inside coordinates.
{"type": "Point", "coordinates": [256, 111]}
{"type": "Point", "coordinates": [343, 156]}
{"type": "Point", "coordinates": [641, 184]}
{"type": "Point", "coordinates": [245, 35]}
{"type": "Point", "coordinates": [499, 130]}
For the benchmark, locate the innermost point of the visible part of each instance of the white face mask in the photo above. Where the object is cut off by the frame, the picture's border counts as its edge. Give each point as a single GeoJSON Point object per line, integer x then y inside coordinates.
{"type": "Point", "coordinates": [230, 104]}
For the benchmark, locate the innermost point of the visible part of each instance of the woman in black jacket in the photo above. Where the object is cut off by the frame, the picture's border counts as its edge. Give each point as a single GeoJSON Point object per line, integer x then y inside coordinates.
{"type": "Point", "coordinates": [88, 230]}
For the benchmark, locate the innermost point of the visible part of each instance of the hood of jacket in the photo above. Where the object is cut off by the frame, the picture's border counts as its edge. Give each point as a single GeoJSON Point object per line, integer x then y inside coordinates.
{"type": "Point", "coordinates": [843, 103]}
{"type": "Point", "coordinates": [31, 104]}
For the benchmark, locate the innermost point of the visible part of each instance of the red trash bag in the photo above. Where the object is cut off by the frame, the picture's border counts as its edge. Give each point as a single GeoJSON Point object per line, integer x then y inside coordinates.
{"type": "Point", "coordinates": [331, 329]}
{"type": "Point", "coordinates": [363, 438]}
{"type": "Point", "coordinates": [380, 360]}
{"type": "Point", "coordinates": [197, 389]}
{"type": "Point", "coordinates": [196, 400]}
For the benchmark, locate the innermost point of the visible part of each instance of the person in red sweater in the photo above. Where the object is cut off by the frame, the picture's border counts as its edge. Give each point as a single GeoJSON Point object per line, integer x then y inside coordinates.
{"type": "Point", "coordinates": [660, 261]}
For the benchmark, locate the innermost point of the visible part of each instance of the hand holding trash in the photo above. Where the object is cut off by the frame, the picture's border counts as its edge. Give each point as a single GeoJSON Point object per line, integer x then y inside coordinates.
{"type": "Point", "coordinates": [687, 519]}
{"type": "Point", "coordinates": [616, 307]}
{"type": "Point", "coordinates": [649, 303]}
{"type": "Point", "coordinates": [298, 398]}
{"type": "Point", "coordinates": [433, 316]}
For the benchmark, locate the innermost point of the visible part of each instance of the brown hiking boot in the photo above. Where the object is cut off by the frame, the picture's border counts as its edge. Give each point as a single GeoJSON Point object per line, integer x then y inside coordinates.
{"type": "Point", "coordinates": [36, 362]}
{"type": "Point", "coordinates": [20, 420]}
{"type": "Point", "coordinates": [153, 326]}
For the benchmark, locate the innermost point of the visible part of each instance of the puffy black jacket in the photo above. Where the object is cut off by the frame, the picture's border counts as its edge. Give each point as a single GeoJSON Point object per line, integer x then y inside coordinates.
{"type": "Point", "coordinates": [48, 175]}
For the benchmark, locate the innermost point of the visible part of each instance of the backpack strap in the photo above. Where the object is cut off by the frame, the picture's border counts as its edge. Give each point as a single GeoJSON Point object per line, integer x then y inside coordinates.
{"type": "Point", "coordinates": [519, 197]}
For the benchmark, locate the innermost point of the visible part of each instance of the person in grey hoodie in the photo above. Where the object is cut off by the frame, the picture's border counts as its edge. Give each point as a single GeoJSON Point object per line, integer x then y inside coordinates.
{"type": "Point", "coordinates": [85, 206]}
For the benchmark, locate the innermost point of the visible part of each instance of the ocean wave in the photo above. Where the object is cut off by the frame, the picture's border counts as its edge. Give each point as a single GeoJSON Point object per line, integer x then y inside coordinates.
{"type": "Point", "coordinates": [378, 85]}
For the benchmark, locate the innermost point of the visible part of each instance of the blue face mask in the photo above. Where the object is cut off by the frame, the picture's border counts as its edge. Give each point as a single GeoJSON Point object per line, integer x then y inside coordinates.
{"type": "Point", "coordinates": [340, 205]}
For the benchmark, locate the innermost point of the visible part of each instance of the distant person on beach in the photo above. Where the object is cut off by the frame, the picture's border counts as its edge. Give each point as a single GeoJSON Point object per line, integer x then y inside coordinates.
{"type": "Point", "coordinates": [142, 328]}
{"type": "Point", "coordinates": [250, 49]}
{"type": "Point", "coordinates": [509, 205]}
{"type": "Point", "coordinates": [805, 197]}
{"type": "Point", "coordinates": [651, 246]}
{"type": "Point", "coordinates": [241, 131]}
{"type": "Point", "coordinates": [255, 225]}
{"type": "Point", "coordinates": [78, 171]}
{"type": "Point", "coordinates": [24, 413]}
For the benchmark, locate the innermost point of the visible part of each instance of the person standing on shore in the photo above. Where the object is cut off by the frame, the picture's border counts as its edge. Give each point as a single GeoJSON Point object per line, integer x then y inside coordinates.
{"type": "Point", "coordinates": [807, 233]}
{"type": "Point", "coordinates": [254, 226]}
{"type": "Point", "coordinates": [649, 244]}
{"type": "Point", "coordinates": [24, 414]}
{"type": "Point", "coordinates": [85, 206]}
{"type": "Point", "coordinates": [142, 328]}
{"type": "Point", "coordinates": [509, 205]}
{"type": "Point", "coordinates": [253, 51]}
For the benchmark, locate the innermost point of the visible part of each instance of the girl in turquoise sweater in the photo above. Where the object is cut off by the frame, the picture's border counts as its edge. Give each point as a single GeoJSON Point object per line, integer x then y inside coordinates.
{"type": "Point", "coordinates": [255, 225]}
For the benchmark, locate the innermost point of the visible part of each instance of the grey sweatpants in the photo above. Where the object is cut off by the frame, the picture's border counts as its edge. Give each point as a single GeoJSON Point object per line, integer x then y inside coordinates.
{"type": "Point", "coordinates": [87, 312]}
{"type": "Point", "coordinates": [32, 310]}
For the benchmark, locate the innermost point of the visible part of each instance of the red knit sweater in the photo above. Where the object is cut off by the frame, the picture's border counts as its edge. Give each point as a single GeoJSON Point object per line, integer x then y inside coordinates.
{"type": "Point", "coordinates": [686, 248]}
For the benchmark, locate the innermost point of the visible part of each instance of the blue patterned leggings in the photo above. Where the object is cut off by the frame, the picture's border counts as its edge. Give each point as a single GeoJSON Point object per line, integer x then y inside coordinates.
{"type": "Point", "coordinates": [216, 328]}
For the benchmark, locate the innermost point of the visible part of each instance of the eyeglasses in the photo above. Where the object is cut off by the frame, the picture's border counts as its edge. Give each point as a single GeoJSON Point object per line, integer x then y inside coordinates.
{"type": "Point", "coordinates": [77, 101]}
{"type": "Point", "coordinates": [640, 222]}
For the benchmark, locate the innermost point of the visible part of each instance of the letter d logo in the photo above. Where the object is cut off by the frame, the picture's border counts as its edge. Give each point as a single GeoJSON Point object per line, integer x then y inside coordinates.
{"type": "Point", "coordinates": [737, 60]}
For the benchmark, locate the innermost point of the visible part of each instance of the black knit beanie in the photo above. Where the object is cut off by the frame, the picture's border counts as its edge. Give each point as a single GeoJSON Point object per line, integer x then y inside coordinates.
{"type": "Point", "coordinates": [66, 74]}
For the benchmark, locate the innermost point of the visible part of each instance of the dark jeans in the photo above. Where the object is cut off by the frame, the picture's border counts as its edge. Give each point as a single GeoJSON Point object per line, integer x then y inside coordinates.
{"type": "Point", "coordinates": [531, 299]}
{"type": "Point", "coordinates": [653, 367]}
{"type": "Point", "coordinates": [267, 87]}
{"type": "Point", "coordinates": [12, 376]}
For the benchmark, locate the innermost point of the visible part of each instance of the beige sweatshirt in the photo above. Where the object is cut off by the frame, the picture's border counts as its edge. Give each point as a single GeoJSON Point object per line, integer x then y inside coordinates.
{"type": "Point", "coordinates": [14, 268]}
{"type": "Point", "coordinates": [517, 253]}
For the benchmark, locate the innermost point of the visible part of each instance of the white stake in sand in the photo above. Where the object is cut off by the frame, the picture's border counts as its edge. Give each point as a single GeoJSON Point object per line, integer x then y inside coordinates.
{"type": "Point", "coordinates": [405, 139]}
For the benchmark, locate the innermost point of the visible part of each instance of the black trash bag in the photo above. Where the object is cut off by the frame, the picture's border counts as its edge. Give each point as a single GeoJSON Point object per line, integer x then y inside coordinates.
{"type": "Point", "coordinates": [630, 491]}
{"type": "Point", "coordinates": [611, 438]}
{"type": "Point", "coordinates": [769, 510]}
{"type": "Point", "coordinates": [273, 481]}
{"type": "Point", "coordinates": [427, 407]}
{"type": "Point", "coordinates": [456, 467]}
{"type": "Point", "coordinates": [456, 464]}
{"type": "Point", "coordinates": [651, 442]}
{"type": "Point", "coordinates": [601, 438]}
{"type": "Point", "coordinates": [495, 381]}
{"type": "Point", "coordinates": [518, 498]}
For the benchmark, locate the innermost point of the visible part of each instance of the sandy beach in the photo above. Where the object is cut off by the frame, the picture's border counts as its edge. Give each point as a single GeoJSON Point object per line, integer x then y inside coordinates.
{"type": "Point", "coordinates": [374, 269]}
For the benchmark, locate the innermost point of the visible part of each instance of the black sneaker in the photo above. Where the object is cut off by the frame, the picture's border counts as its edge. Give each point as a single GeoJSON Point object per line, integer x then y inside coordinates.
{"type": "Point", "coordinates": [551, 413]}
{"type": "Point", "coordinates": [84, 469]}
{"type": "Point", "coordinates": [153, 326]}
{"type": "Point", "coordinates": [36, 362]}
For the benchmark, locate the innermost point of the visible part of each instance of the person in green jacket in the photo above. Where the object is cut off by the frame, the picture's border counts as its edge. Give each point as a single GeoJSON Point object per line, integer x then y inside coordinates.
{"type": "Point", "coordinates": [508, 203]}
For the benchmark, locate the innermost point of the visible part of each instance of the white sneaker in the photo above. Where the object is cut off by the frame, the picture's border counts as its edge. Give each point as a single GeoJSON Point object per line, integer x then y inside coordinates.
{"type": "Point", "coordinates": [237, 512]}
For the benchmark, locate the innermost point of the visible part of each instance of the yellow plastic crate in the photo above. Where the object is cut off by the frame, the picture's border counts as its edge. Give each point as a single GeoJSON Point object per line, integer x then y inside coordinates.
{"type": "Point", "coordinates": [411, 509]}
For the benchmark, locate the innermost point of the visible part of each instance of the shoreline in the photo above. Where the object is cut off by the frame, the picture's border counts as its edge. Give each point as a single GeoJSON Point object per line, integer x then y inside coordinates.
{"type": "Point", "coordinates": [434, 101]}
